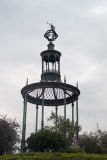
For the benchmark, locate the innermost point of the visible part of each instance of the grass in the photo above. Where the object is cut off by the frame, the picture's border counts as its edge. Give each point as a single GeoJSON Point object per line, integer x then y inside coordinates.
{"type": "Point", "coordinates": [54, 156]}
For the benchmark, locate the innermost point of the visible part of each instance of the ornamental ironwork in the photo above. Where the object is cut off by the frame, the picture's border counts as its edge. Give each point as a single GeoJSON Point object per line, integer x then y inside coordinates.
{"type": "Point", "coordinates": [50, 91]}
{"type": "Point", "coordinates": [51, 35]}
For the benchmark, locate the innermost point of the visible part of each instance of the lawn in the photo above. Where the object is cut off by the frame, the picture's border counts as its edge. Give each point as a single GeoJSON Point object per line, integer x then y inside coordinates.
{"type": "Point", "coordinates": [54, 156]}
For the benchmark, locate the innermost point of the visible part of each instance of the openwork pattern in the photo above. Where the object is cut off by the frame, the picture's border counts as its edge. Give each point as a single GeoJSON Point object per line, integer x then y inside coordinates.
{"type": "Point", "coordinates": [53, 93]}
{"type": "Point", "coordinates": [50, 93]}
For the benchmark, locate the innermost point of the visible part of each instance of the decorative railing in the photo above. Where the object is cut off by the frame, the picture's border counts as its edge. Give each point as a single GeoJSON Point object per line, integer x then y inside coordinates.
{"type": "Point", "coordinates": [51, 70]}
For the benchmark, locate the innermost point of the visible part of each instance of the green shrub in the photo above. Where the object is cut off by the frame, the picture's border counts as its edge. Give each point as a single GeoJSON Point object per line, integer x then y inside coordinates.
{"type": "Point", "coordinates": [74, 150]}
{"type": "Point", "coordinates": [47, 141]}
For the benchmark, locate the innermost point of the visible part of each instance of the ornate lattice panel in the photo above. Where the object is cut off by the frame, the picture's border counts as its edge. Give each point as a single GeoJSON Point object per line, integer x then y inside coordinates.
{"type": "Point", "coordinates": [51, 92]}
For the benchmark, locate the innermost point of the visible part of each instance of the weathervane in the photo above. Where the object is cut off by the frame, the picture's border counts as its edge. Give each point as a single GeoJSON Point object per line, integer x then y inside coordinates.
{"type": "Point", "coordinates": [51, 35]}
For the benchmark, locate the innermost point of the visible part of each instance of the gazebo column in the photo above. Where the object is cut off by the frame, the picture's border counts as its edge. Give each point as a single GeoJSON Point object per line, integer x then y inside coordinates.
{"type": "Point", "coordinates": [56, 116]}
{"type": "Point", "coordinates": [23, 142]}
{"type": "Point", "coordinates": [46, 66]}
{"type": "Point", "coordinates": [77, 116]}
{"type": "Point", "coordinates": [64, 114]}
{"type": "Point", "coordinates": [52, 66]}
{"type": "Point", "coordinates": [36, 127]}
{"type": "Point", "coordinates": [42, 66]}
{"type": "Point", "coordinates": [48, 63]}
{"type": "Point", "coordinates": [58, 66]}
{"type": "Point", "coordinates": [72, 119]}
{"type": "Point", "coordinates": [64, 108]}
{"type": "Point", "coordinates": [42, 121]}
{"type": "Point", "coordinates": [55, 63]}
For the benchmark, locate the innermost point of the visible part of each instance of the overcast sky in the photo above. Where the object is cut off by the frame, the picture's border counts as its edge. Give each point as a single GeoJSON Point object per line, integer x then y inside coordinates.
{"type": "Point", "coordinates": [82, 29]}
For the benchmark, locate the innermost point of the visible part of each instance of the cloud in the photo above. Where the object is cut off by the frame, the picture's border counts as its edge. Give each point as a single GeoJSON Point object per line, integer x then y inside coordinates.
{"type": "Point", "coordinates": [81, 26]}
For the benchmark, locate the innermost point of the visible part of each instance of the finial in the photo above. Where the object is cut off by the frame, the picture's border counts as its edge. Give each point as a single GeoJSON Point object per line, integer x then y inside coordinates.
{"type": "Point", "coordinates": [77, 84]}
{"type": "Point", "coordinates": [51, 34]}
{"type": "Point", "coordinates": [27, 81]}
{"type": "Point", "coordinates": [64, 79]}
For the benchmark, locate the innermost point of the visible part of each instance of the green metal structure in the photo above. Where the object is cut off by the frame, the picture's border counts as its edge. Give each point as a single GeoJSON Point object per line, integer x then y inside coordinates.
{"type": "Point", "coordinates": [50, 91]}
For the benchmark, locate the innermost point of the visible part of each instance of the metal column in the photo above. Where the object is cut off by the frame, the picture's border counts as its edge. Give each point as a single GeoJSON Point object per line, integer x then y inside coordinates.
{"type": "Point", "coordinates": [48, 63]}
{"type": "Point", "coordinates": [42, 121]}
{"type": "Point", "coordinates": [56, 116]}
{"type": "Point", "coordinates": [64, 114]}
{"type": "Point", "coordinates": [72, 119]}
{"type": "Point", "coordinates": [23, 142]}
{"type": "Point", "coordinates": [36, 127]}
{"type": "Point", "coordinates": [64, 109]}
{"type": "Point", "coordinates": [58, 66]}
{"type": "Point", "coordinates": [77, 117]}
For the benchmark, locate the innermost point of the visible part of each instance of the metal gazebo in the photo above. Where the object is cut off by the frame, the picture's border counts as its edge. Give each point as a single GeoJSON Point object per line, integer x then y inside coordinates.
{"type": "Point", "coordinates": [50, 91]}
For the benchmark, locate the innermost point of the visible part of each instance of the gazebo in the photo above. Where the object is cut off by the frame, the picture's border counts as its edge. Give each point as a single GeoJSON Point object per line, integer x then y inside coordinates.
{"type": "Point", "coordinates": [50, 91]}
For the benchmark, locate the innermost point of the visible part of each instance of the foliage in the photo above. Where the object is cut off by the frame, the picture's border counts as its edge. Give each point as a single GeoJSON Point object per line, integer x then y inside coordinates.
{"type": "Point", "coordinates": [60, 125]}
{"type": "Point", "coordinates": [74, 150]}
{"type": "Point", "coordinates": [52, 138]}
{"type": "Point", "coordinates": [94, 142]}
{"type": "Point", "coordinates": [8, 135]}
{"type": "Point", "coordinates": [54, 156]}
{"type": "Point", "coordinates": [47, 140]}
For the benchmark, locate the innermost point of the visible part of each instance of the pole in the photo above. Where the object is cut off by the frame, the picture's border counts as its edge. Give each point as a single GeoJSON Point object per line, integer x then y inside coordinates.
{"type": "Point", "coordinates": [56, 116]}
{"type": "Point", "coordinates": [58, 66]}
{"type": "Point", "coordinates": [64, 114]}
{"type": "Point", "coordinates": [46, 66]}
{"type": "Point", "coordinates": [42, 121]}
{"type": "Point", "coordinates": [48, 63]}
{"type": "Point", "coordinates": [36, 127]}
{"type": "Point", "coordinates": [42, 65]}
{"type": "Point", "coordinates": [77, 116]}
{"type": "Point", "coordinates": [23, 142]}
{"type": "Point", "coordinates": [72, 120]}
{"type": "Point", "coordinates": [55, 65]}
{"type": "Point", "coordinates": [64, 109]}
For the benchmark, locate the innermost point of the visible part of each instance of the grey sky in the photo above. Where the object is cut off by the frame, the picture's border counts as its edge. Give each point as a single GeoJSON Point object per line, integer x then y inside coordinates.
{"type": "Point", "coordinates": [82, 29]}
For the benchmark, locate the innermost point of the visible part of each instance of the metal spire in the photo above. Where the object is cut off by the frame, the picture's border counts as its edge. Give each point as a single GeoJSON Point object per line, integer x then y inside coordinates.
{"type": "Point", "coordinates": [64, 78]}
{"type": "Point", "coordinates": [27, 81]}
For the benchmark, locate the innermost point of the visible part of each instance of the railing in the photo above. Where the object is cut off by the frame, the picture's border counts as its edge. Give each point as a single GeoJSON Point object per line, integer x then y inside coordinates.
{"type": "Point", "coordinates": [50, 70]}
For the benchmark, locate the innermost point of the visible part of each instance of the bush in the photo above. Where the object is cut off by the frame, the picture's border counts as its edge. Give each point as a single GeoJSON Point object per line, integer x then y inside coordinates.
{"type": "Point", "coordinates": [94, 142]}
{"type": "Point", "coordinates": [47, 141]}
{"type": "Point", "coordinates": [74, 150]}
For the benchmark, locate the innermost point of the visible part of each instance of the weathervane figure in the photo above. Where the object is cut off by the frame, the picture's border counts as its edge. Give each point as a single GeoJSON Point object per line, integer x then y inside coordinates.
{"type": "Point", "coordinates": [52, 26]}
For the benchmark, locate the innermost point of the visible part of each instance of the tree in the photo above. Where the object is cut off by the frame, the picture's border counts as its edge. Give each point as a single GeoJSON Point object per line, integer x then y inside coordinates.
{"type": "Point", "coordinates": [47, 140]}
{"type": "Point", "coordinates": [52, 138]}
{"type": "Point", "coordinates": [88, 142]}
{"type": "Point", "coordinates": [60, 125]}
{"type": "Point", "coordinates": [94, 142]}
{"type": "Point", "coordinates": [8, 135]}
